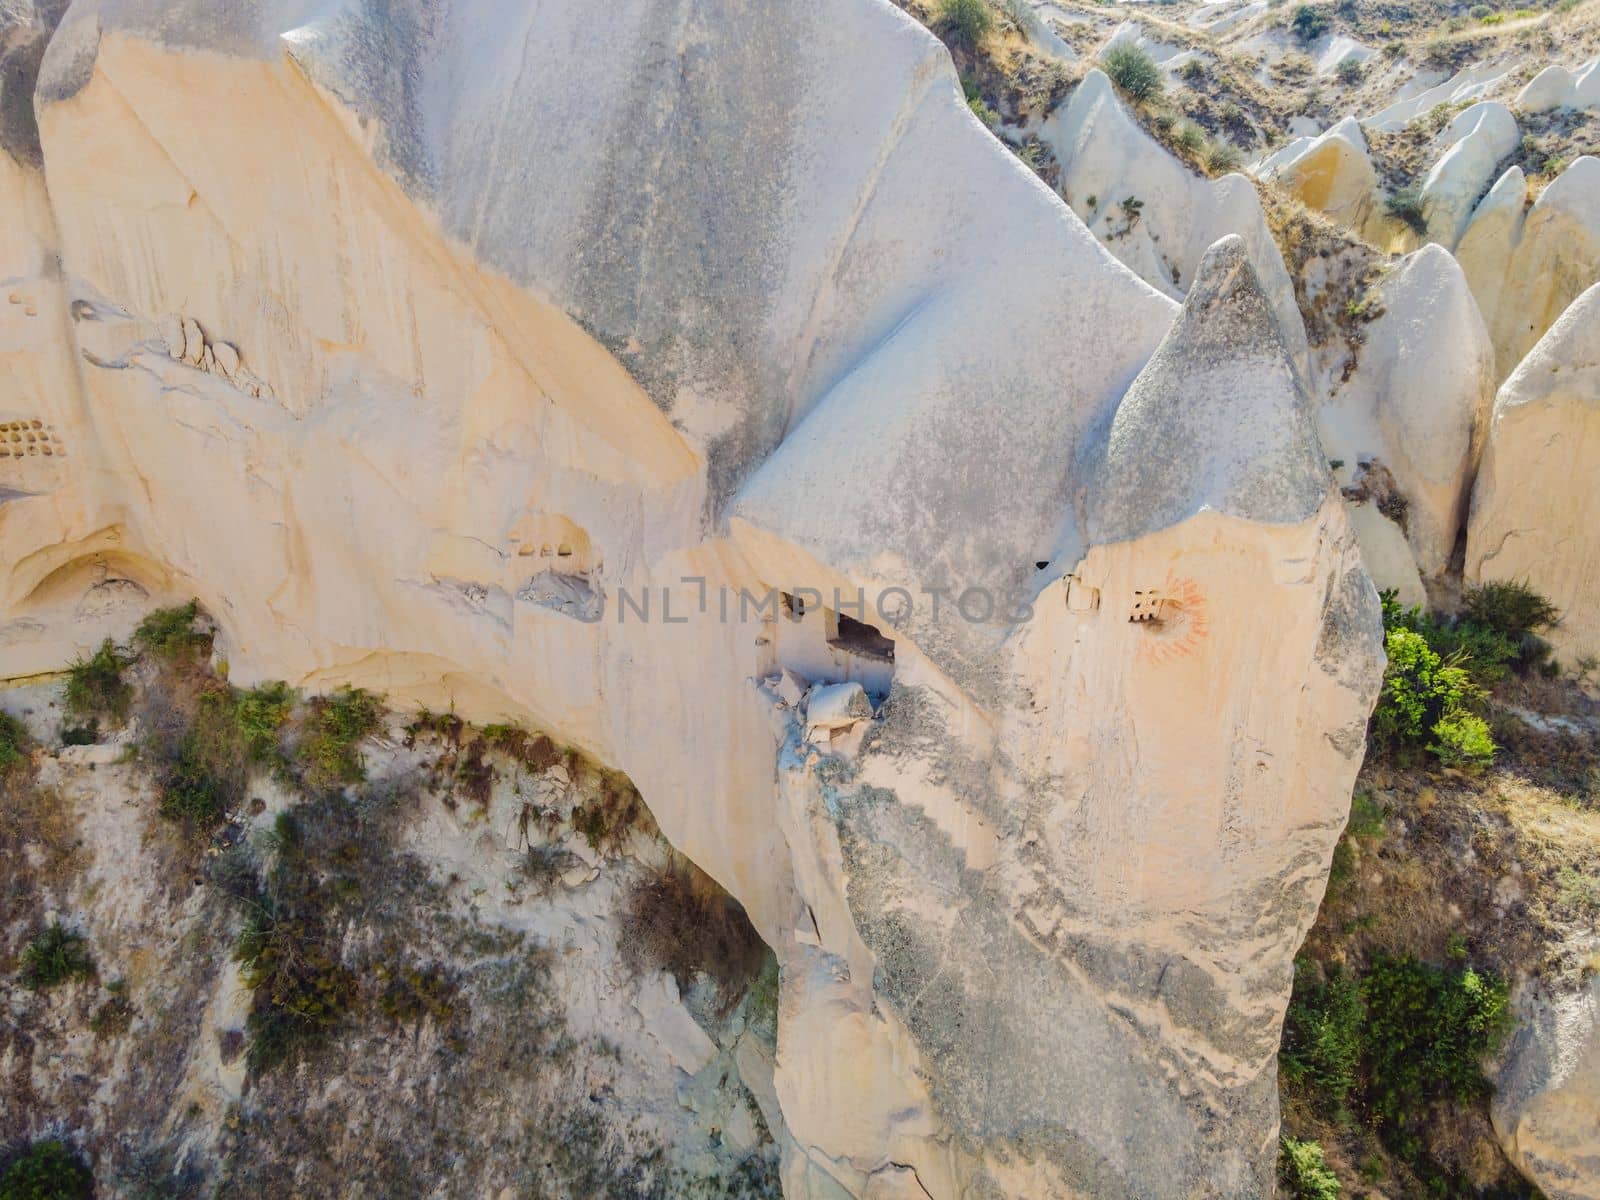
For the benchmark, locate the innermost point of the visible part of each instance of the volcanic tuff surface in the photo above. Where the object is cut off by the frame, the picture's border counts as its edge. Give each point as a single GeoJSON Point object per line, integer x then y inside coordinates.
{"type": "Point", "coordinates": [704, 386]}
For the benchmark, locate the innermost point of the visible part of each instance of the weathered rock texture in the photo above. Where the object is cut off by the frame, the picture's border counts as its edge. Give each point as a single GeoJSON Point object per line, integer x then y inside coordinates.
{"type": "Point", "coordinates": [1152, 212]}
{"type": "Point", "coordinates": [1470, 149]}
{"type": "Point", "coordinates": [1526, 266]}
{"type": "Point", "coordinates": [1330, 173]}
{"type": "Point", "coordinates": [1561, 87]}
{"type": "Point", "coordinates": [1547, 1096]}
{"type": "Point", "coordinates": [1417, 405]}
{"type": "Point", "coordinates": [486, 354]}
{"type": "Point", "coordinates": [1546, 428]}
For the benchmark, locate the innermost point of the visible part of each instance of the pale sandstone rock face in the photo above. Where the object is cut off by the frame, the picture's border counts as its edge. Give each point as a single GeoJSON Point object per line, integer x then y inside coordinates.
{"type": "Point", "coordinates": [1472, 147]}
{"type": "Point", "coordinates": [1419, 405]}
{"type": "Point", "coordinates": [1546, 1107]}
{"type": "Point", "coordinates": [485, 355]}
{"type": "Point", "coordinates": [1330, 173]}
{"type": "Point", "coordinates": [1107, 161]}
{"type": "Point", "coordinates": [1546, 427]}
{"type": "Point", "coordinates": [1422, 95]}
{"type": "Point", "coordinates": [1561, 87]}
{"type": "Point", "coordinates": [1525, 270]}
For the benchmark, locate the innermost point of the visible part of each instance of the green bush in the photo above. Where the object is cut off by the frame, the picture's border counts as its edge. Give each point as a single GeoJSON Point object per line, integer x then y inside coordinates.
{"type": "Point", "coordinates": [1350, 71]}
{"type": "Point", "coordinates": [1133, 71]}
{"type": "Point", "coordinates": [1427, 1031]}
{"type": "Point", "coordinates": [55, 955]}
{"type": "Point", "coordinates": [1493, 636]}
{"type": "Point", "coordinates": [1222, 157]}
{"type": "Point", "coordinates": [260, 714]}
{"type": "Point", "coordinates": [330, 747]}
{"type": "Point", "coordinates": [1462, 739]}
{"type": "Point", "coordinates": [13, 737]}
{"type": "Point", "coordinates": [1188, 138]}
{"type": "Point", "coordinates": [170, 632]}
{"type": "Point", "coordinates": [1405, 204]}
{"type": "Point", "coordinates": [1304, 1173]}
{"type": "Point", "coordinates": [206, 777]}
{"type": "Point", "coordinates": [194, 796]}
{"type": "Point", "coordinates": [1385, 1046]}
{"type": "Point", "coordinates": [1419, 689]}
{"type": "Point", "coordinates": [1432, 683]}
{"type": "Point", "coordinates": [1322, 1036]}
{"type": "Point", "coordinates": [969, 21]}
{"type": "Point", "coordinates": [1309, 23]}
{"type": "Point", "coordinates": [1513, 610]}
{"type": "Point", "coordinates": [47, 1170]}
{"type": "Point", "coordinates": [976, 103]}
{"type": "Point", "coordinates": [95, 686]}
{"type": "Point", "coordinates": [301, 989]}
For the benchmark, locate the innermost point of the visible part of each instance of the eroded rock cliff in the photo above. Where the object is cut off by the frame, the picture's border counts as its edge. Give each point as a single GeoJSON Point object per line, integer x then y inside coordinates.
{"type": "Point", "coordinates": [645, 379]}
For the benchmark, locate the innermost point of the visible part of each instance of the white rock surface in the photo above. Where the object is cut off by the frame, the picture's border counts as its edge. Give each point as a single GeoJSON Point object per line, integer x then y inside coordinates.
{"type": "Point", "coordinates": [1418, 100]}
{"type": "Point", "coordinates": [1473, 146]}
{"type": "Point", "coordinates": [1330, 173]}
{"type": "Point", "coordinates": [1166, 55]}
{"type": "Point", "coordinates": [1419, 404]}
{"type": "Point", "coordinates": [1107, 160]}
{"type": "Point", "coordinates": [1526, 266]}
{"type": "Point", "coordinates": [1546, 1106]}
{"type": "Point", "coordinates": [1335, 49]}
{"type": "Point", "coordinates": [1045, 22]}
{"type": "Point", "coordinates": [579, 331]}
{"type": "Point", "coordinates": [1561, 87]}
{"type": "Point", "coordinates": [837, 706]}
{"type": "Point", "coordinates": [1546, 431]}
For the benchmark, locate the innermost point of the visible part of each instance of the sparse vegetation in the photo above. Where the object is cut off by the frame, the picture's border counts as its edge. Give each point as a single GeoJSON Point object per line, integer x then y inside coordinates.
{"type": "Point", "coordinates": [1303, 1172]}
{"type": "Point", "coordinates": [1134, 73]}
{"type": "Point", "coordinates": [411, 993]}
{"type": "Point", "coordinates": [260, 714]}
{"type": "Point", "coordinates": [46, 1170]}
{"type": "Point", "coordinates": [1405, 205]}
{"type": "Point", "coordinates": [614, 811]}
{"type": "Point", "coordinates": [329, 753]}
{"type": "Point", "coordinates": [1221, 158]}
{"type": "Point", "coordinates": [681, 922]}
{"type": "Point", "coordinates": [95, 686]}
{"type": "Point", "coordinates": [969, 21]}
{"type": "Point", "coordinates": [290, 961]}
{"type": "Point", "coordinates": [1426, 701]}
{"type": "Point", "coordinates": [13, 739]}
{"type": "Point", "coordinates": [1310, 23]}
{"type": "Point", "coordinates": [171, 632]}
{"type": "Point", "coordinates": [115, 1014]}
{"type": "Point", "coordinates": [55, 956]}
{"type": "Point", "coordinates": [976, 103]}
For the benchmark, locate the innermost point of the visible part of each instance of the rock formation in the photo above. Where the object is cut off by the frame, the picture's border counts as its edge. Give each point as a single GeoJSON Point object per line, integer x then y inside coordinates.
{"type": "Point", "coordinates": [1417, 406]}
{"type": "Point", "coordinates": [1525, 266]}
{"type": "Point", "coordinates": [1561, 87]}
{"type": "Point", "coordinates": [1153, 213]}
{"type": "Point", "coordinates": [1330, 173]}
{"type": "Point", "coordinates": [1547, 1095]}
{"type": "Point", "coordinates": [1543, 428]}
{"type": "Point", "coordinates": [1472, 146]}
{"type": "Point", "coordinates": [1424, 94]}
{"type": "Point", "coordinates": [645, 381]}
